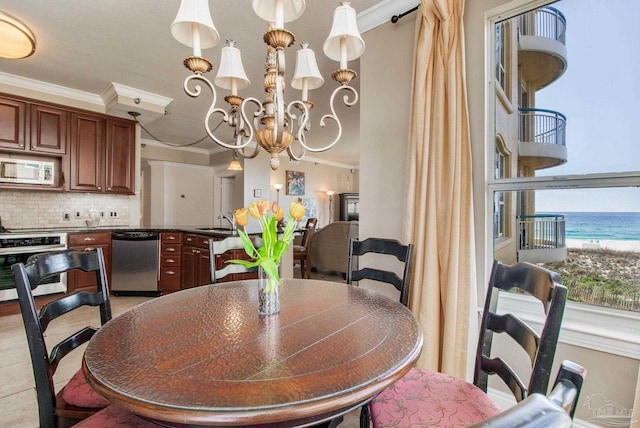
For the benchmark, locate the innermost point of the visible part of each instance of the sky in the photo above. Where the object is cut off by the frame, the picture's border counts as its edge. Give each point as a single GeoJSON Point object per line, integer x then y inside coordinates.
{"type": "Point", "coordinates": [600, 95]}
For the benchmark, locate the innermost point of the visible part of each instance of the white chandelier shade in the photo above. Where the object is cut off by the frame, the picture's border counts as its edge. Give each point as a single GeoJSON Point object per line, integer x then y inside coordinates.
{"type": "Point", "coordinates": [194, 27]}
{"type": "Point", "coordinates": [344, 42]}
{"type": "Point", "coordinates": [307, 75]}
{"type": "Point", "coordinates": [272, 123]}
{"type": "Point", "coordinates": [279, 11]}
{"type": "Point", "coordinates": [231, 73]}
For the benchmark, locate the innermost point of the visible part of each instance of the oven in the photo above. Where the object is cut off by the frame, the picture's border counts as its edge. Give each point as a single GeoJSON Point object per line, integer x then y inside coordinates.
{"type": "Point", "coordinates": [17, 248]}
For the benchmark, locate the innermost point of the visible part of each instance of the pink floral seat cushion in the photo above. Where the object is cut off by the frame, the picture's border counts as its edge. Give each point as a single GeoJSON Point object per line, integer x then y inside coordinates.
{"type": "Point", "coordinates": [78, 393]}
{"type": "Point", "coordinates": [426, 398]}
{"type": "Point", "coordinates": [115, 417]}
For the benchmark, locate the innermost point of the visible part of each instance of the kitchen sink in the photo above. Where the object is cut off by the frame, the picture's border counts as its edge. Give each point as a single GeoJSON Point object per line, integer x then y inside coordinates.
{"type": "Point", "coordinates": [215, 229]}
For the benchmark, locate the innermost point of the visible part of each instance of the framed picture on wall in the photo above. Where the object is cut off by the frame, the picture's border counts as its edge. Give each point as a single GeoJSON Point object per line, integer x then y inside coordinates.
{"type": "Point", "coordinates": [295, 183]}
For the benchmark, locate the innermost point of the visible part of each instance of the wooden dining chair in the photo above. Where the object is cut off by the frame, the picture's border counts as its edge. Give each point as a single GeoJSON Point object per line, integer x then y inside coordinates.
{"type": "Point", "coordinates": [219, 253]}
{"type": "Point", "coordinates": [390, 247]}
{"type": "Point", "coordinates": [76, 400]}
{"type": "Point", "coordinates": [441, 400]}
{"type": "Point", "coordinates": [302, 251]}
{"type": "Point", "coordinates": [555, 410]}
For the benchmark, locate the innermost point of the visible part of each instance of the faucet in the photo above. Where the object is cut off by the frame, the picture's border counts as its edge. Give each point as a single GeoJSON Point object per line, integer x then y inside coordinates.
{"type": "Point", "coordinates": [230, 218]}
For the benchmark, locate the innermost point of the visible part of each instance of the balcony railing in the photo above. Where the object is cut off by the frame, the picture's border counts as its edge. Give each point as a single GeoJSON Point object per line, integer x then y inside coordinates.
{"type": "Point", "coordinates": [542, 126]}
{"type": "Point", "coordinates": [546, 22]}
{"type": "Point", "coordinates": [541, 231]}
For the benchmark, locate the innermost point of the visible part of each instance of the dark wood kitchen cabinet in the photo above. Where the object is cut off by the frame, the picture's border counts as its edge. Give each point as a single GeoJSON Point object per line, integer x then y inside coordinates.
{"type": "Point", "coordinates": [32, 128]}
{"type": "Point", "coordinates": [79, 280]}
{"type": "Point", "coordinates": [102, 155]}
{"type": "Point", "coordinates": [195, 261]}
{"type": "Point", "coordinates": [86, 153]}
{"type": "Point", "coordinates": [170, 262]}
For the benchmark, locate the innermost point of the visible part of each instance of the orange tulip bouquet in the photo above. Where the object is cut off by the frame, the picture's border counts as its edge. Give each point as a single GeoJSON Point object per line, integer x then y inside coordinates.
{"type": "Point", "coordinates": [269, 254]}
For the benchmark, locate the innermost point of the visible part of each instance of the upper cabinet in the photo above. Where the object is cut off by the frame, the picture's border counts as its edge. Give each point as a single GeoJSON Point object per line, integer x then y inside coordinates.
{"type": "Point", "coordinates": [49, 129]}
{"type": "Point", "coordinates": [97, 151]}
{"type": "Point", "coordinates": [46, 134]}
{"type": "Point", "coordinates": [120, 156]}
{"type": "Point", "coordinates": [12, 124]}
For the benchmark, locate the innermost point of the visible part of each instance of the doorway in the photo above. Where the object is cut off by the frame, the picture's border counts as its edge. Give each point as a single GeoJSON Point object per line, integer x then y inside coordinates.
{"type": "Point", "coordinates": [224, 201]}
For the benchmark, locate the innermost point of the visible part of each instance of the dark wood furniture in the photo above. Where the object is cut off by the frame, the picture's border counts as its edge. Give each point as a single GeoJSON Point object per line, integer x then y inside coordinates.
{"type": "Point", "coordinates": [349, 210]}
{"type": "Point", "coordinates": [195, 261]}
{"type": "Point", "coordinates": [79, 280]}
{"type": "Point", "coordinates": [302, 252]}
{"type": "Point", "coordinates": [537, 410]}
{"type": "Point", "coordinates": [56, 409]}
{"type": "Point", "coordinates": [205, 357]}
{"type": "Point", "coordinates": [390, 247]}
{"type": "Point", "coordinates": [93, 152]}
{"type": "Point", "coordinates": [170, 262]}
{"type": "Point", "coordinates": [409, 399]}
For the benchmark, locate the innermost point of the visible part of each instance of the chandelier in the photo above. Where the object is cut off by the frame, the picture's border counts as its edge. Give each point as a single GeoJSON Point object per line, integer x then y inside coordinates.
{"type": "Point", "coordinates": [273, 123]}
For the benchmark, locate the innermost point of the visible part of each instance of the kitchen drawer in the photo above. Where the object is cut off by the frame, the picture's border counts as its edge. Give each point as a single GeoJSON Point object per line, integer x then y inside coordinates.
{"type": "Point", "coordinates": [170, 260]}
{"type": "Point", "coordinates": [171, 237]}
{"type": "Point", "coordinates": [169, 249]}
{"type": "Point", "coordinates": [193, 240]}
{"type": "Point", "coordinates": [169, 279]}
{"type": "Point", "coordinates": [81, 239]}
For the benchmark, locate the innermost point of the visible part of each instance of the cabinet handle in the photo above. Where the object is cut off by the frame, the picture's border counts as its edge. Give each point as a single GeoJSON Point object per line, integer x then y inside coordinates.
{"type": "Point", "coordinates": [170, 261]}
{"type": "Point", "coordinates": [170, 249]}
{"type": "Point", "coordinates": [89, 239]}
{"type": "Point", "coordinates": [170, 238]}
{"type": "Point", "coordinates": [89, 249]}
{"type": "Point", "coordinates": [189, 239]}
{"type": "Point", "coordinates": [170, 272]}
{"type": "Point", "coordinates": [99, 188]}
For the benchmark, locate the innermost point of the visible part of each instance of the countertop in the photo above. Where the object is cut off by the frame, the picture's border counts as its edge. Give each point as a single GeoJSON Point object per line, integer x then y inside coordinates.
{"type": "Point", "coordinates": [198, 229]}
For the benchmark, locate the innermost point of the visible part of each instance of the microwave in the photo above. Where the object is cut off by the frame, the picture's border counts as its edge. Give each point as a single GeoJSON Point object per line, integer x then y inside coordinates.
{"type": "Point", "coordinates": [25, 171]}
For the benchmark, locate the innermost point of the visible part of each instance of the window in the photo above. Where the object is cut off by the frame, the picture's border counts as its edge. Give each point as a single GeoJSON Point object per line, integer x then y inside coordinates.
{"type": "Point", "coordinates": [576, 182]}
{"type": "Point", "coordinates": [501, 56]}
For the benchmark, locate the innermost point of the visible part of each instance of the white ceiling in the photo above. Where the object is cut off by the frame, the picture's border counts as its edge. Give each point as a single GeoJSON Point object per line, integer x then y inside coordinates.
{"type": "Point", "coordinates": [86, 45]}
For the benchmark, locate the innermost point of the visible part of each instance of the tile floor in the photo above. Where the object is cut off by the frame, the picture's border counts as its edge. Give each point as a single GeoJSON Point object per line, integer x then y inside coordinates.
{"type": "Point", "coordinates": [18, 407]}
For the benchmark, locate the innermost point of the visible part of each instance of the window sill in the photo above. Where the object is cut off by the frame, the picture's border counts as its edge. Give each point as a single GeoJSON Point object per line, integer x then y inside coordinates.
{"type": "Point", "coordinates": [593, 327]}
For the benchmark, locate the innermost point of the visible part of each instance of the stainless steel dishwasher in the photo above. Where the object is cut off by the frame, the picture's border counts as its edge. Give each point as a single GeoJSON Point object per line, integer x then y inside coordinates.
{"type": "Point", "coordinates": [134, 263]}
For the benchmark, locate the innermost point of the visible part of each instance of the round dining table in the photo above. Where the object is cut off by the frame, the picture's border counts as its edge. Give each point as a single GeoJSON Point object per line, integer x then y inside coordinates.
{"type": "Point", "coordinates": [205, 357]}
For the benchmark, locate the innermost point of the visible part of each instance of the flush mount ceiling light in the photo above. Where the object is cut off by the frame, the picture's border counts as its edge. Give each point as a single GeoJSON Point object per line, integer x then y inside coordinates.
{"type": "Point", "coordinates": [16, 39]}
{"type": "Point", "coordinates": [272, 123]}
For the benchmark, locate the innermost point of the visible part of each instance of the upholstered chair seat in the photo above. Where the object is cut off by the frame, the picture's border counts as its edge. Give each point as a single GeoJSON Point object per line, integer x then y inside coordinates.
{"type": "Point", "coordinates": [431, 399]}
{"type": "Point", "coordinates": [77, 392]}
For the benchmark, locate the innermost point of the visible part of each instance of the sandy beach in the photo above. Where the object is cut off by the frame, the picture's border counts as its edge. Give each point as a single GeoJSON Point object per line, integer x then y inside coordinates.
{"type": "Point", "coordinates": [594, 244]}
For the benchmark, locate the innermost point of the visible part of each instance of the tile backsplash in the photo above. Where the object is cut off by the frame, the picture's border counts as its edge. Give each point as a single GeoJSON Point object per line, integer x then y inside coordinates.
{"type": "Point", "coordinates": [25, 210]}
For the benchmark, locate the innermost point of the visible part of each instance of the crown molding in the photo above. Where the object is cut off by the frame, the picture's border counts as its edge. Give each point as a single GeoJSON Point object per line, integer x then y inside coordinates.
{"type": "Point", "coordinates": [381, 13]}
{"type": "Point", "coordinates": [49, 88]}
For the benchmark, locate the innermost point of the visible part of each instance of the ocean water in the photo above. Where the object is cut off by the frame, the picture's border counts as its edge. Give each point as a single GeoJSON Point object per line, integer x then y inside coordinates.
{"type": "Point", "coordinates": [602, 226]}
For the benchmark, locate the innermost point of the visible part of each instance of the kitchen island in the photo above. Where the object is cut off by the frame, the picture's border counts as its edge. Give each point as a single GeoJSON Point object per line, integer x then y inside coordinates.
{"type": "Point", "coordinates": [183, 256]}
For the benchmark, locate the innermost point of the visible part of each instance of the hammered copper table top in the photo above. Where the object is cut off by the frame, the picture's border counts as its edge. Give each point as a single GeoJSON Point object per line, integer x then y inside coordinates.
{"type": "Point", "coordinates": [204, 356]}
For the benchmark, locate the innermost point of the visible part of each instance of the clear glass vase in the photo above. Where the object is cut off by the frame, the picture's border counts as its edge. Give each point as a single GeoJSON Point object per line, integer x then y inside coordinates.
{"type": "Point", "coordinates": [268, 294]}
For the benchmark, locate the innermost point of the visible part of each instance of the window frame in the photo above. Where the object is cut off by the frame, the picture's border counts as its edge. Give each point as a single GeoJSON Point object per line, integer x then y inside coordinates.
{"type": "Point", "coordinates": [598, 328]}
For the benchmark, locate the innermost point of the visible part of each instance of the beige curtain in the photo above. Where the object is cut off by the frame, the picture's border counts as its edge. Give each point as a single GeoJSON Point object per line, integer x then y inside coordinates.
{"type": "Point", "coordinates": [439, 218]}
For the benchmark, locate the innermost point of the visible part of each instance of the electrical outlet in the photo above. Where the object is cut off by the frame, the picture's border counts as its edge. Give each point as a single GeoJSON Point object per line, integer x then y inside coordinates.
{"type": "Point", "coordinates": [101, 213]}
{"type": "Point", "coordinates": [77, 214]}
{"type": "Point", "coordinates": [115, 213]}
{"type": "Point", "coordinates": [66, 217]}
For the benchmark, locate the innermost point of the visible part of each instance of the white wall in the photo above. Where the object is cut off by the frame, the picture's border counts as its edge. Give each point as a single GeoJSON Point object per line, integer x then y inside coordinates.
{"type": "Point", "coordinates": [181, 194]}
{"type": "Point", "coordinates": [385, 98]}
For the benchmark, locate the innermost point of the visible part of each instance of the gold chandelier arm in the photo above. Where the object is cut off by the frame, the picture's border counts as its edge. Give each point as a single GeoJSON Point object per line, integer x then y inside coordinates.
{"type": "Point", "coordinates": [333, 116]}
{"type": "Point", "coordinates": [195, 92]}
